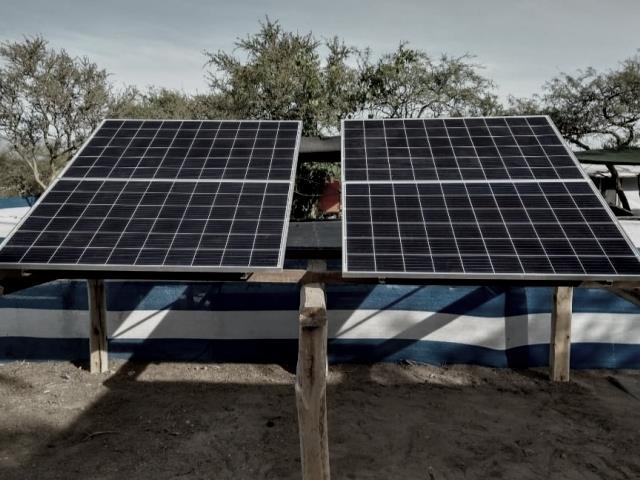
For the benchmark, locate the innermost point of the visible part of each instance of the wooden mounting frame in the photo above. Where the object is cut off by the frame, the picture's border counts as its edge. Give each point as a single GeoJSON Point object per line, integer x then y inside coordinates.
{"type": "Point", "coordinates": [98, 356]}
{"type": "Point", "coordinates": [560, 343]}
{"type": "Point", "coordinates": [311, 379]}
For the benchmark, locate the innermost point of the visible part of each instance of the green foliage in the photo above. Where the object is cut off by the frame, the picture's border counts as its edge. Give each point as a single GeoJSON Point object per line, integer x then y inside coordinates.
{"type": "Point", "coordinates": [282, 76]}
{"type": "Point", "coordinates": [310, 184]}
{"type": "Point", "coordinates": [409, 83]}
{"type": "Point", "coordinates": [16, 178]}
{"type": "Point", "coordinates": [165, 103]}
{"type": "Point", "coordinates": [592, 106]}
{"type": "Point", "coordinates": [49, 103]}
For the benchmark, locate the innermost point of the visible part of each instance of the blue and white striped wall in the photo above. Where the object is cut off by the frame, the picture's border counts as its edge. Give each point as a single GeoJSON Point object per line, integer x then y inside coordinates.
{"type": "Point", "coordinates": [258, 323]}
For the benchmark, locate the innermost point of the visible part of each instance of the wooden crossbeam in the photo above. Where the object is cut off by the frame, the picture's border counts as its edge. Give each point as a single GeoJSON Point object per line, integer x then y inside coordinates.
{"type": "Point", "coordinates": [98, 356]}
{"type": "Point", "coordinates": [16, 280]}
{"type": "Point", "coordinates": [311, 379]}
{"type": "Point", "coordinates": [560, 345]}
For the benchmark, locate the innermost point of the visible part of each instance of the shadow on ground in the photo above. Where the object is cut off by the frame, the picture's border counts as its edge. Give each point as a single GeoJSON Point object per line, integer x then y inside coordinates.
{"type": "Point", "coordinates": [161, 421]}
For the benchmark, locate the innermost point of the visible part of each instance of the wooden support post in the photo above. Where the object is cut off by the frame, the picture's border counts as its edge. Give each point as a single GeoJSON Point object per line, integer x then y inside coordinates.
{"type": "Point", "coordinates": [98, 357]}
{"type": "Point", "coordinates": [311, 379]}
{"type": "Point", "coordinates": [560, 348]}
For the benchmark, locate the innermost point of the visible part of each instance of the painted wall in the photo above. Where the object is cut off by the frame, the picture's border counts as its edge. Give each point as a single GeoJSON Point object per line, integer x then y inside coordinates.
{"type": "Point", "coordinates": [211, 322]}
{"type": "Point", "coordinates": [258, 323]}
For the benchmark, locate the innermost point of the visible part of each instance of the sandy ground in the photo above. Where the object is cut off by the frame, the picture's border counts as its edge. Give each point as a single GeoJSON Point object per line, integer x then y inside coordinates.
{"type": "Point", "coordinates": [184, 421]}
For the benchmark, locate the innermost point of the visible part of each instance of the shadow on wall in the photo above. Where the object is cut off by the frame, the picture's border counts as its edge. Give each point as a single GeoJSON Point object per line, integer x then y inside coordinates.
{"type": "Point", "coordinates": [268, 332]}
{"type": "Point", "coordinates": [239, 322]}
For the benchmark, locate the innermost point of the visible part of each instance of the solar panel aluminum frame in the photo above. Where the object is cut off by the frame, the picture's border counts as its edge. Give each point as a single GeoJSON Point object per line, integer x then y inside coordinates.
{"type": "Point", "coordinates": [555, 278]}
{"type": "Point", "coordinates": [161, 268]}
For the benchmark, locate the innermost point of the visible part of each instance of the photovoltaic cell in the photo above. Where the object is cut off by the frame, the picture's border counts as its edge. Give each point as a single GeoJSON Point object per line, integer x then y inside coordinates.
{"type": "Point", "coordinates": [504, 148]}
{"type": "Point", "coordinates": [192, 150]}
{"type": "Point", "coordinates": [110, 209]}
{"type": "Point", "coordinates": [473, 197]}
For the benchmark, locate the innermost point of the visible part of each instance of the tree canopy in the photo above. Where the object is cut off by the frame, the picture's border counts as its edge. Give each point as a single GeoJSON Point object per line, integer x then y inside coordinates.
{"type": "Point", "coordinates": [283, 75]}
{"type": "Point", "coordinates": [409, 83]}
{"type": "Point", "coordinates": [165, 103]}
{"type": "Point", "coordinates": [592, 107]}
{"type": "Point", "coordinates": [49, 103]}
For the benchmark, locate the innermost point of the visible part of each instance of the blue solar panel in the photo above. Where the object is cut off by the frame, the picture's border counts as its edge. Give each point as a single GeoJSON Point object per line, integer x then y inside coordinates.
{"type": "Point", "coordinates": [473, 198]}
{"type": "Point", "coordinates": [200, 199]}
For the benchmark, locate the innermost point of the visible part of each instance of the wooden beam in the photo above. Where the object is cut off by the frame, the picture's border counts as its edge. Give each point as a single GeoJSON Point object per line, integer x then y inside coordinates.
{"type": "Point", "coordinates": [560, 348]}
{"type": "Point", "coordinates": [98, 355]}
{"type": "Point", "coordinates": [631, 294]}
{"type": "Point", "coordinates": [311, 379]}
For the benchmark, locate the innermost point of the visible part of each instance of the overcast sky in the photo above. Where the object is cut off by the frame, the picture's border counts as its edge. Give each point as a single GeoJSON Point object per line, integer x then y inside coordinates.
{"type": "Point", "coordinates": [522, 43]}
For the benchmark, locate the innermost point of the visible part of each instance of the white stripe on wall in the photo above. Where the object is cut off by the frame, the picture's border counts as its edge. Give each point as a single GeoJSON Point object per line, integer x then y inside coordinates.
{"type": "Point", "coordinates": [491, 332]}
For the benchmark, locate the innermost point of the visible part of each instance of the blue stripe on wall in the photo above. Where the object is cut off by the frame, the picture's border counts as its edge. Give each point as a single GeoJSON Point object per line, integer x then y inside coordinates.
{"type": "Point", "coordinates": [476, 301]}
{"type": "Point", "coordinates": [583, 355]}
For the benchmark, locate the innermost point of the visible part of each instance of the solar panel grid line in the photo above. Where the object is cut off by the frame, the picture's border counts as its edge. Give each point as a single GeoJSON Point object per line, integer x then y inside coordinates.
{"type": "Point", "coordinates": [227, 269]}
{"type": "Point", "coordinates": [108, 259]}
{"type": "Point", "coordinates": [533, 254]}
{"type": "Point", "coordinates": [545, 153]}
{"type": "Point", "coordinates": [373, 244]}
{"type": "Point", "coordinates": [568, 201]}
{"type": "Point", "coordinates": [18, 225]}
{"type": "Point", "coordinates": [500, 156]}
{"type": "Point", "coordinates": [475, 216]}
{"type": "Point", "coordinates": [424, 223]}
{"type": "Point", "coordinates": [75, 156]}
{"type": "Point", "coordinates": [123, 151]}
{"type": "Point", "coordinates": [592, 186]}
{"type": "Point", "coordinates": [111, 139]}
{"type": "Point", "coordinates": [402, 254]}
{"type": "Point", "coordinates": [235, 212]}
{"type": "Point", "coordinates": [548, 133]}
{"type": "Point", "coordinates": [233, 222]}
{"type": "Point", "coordinates": [213, 202]}
{"type": "Point", "coordinates": [455, 240]}
{"type": "Point", "coordinates": [444, 182]}
{"type": "Point", "coordinates": [583, 174]}
{"type": "Point", "coordinates": [292, 179]}
{"type": "Point", "coordinates": [134, 211]}
{"type": "Point", "coordinates": [600, 198]}
{"type": "Point", "coordinates": [208, 152]}
{"type": "Point", "coordinates": [69, 231]}
{"type": "Point", "coordinates": [255, 237]}
{"type": "Point", "coordinates": [190, 147]}
{"type": "Point", "coordinates": [199, 157]}
{"type": "Point", "coordinates": [206, 223]}
{"type": "Point", "coordinates": [90, 190]}
{"type": "Point", "coordinates": [579, 209]}
{"type": "Point", "coordinates": [185, 209]}
{"type": "Point", "coordinates": [560, 223]}
{"type": "Point", "coordinates": [520, 260]}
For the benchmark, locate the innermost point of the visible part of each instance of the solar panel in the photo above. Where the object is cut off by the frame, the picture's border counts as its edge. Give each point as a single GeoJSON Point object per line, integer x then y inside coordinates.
{"type": "Point", "coordinates": [473, 198]}
{"type": "Point", "coordinates": [198, 200]}
{"type": "Point", "coordinates": [194, 150]}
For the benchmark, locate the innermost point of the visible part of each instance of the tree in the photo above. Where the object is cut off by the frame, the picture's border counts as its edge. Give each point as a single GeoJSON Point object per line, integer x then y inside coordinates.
{"type": "Point", "coordinates": [592, 106]}
{"type": "Point", "coordinates": [311, 181]}
{"type": "Point", "coordinates": [16, 178]}
{"type": "Point", "coordinates": [49, 103]}
{"type": "Point", "coordinates": [282, 76]}
{"type": "Point", "coordinates": [409, 83]}
{"type": "Point", "coordinates": [166, 103]}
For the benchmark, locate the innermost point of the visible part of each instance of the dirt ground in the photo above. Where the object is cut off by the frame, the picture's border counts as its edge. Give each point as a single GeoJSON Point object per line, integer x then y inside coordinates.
{"type": "Point", "coordinates": [184, 421]}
